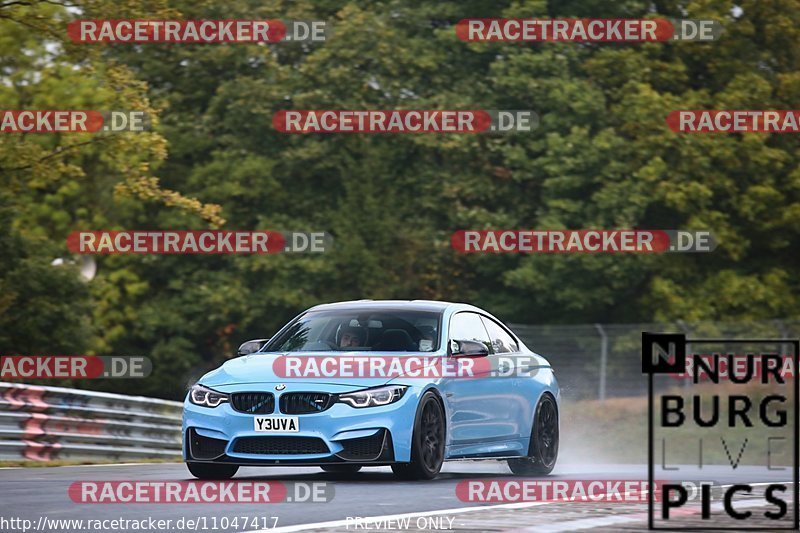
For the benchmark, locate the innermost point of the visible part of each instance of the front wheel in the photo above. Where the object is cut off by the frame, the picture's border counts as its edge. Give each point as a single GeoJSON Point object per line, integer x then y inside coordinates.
{"type": "Point", "coordinates": [543, 448]}
{"type": "Point", "coordinates": [212, 471]}
{"type": "Point", "coordinates": [427, 442]}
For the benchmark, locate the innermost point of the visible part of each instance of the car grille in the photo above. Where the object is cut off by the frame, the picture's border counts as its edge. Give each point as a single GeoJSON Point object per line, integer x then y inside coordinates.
{"type": "Point", "coordinates": [368, 448]}
{"type": "Point", "coordinates": [298, 403]}
{"type": "Point", "coordinates": [255, 403]}
{"type": "Point", "coordinates": [280, 445]}
{"type": "Point", "coordinates": [205, 447]}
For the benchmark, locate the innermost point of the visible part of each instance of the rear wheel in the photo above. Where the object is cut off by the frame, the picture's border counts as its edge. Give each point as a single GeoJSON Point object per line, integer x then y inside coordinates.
{"type": "Point", "coordinates": [341, 469]}
{"type": "Point", "coordinates": [212, 471]}
{"type": "Point", "coordinates": [427, 442]}
{"type": "Point", "coordinates": [543, 449]}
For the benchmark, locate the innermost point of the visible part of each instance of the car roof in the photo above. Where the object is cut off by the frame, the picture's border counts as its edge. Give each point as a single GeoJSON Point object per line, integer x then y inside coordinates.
{"type": "Point", "coordinates": [419, 305]}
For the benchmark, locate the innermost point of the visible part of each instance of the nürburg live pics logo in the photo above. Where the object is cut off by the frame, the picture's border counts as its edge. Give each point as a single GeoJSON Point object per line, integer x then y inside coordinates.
{"type": "Point", "coordinates": [725, 410]}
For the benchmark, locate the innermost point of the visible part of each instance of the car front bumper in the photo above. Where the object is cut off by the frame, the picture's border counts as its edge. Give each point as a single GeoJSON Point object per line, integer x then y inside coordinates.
{"type": "Point", "coordinates": [340, 434]}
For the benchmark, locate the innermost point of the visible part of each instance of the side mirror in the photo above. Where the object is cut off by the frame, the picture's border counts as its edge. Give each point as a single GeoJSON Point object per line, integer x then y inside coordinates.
{"type": "Point", "coordinates": [468, 349]}
{"type": "Point", "coordinates": [251, 346]}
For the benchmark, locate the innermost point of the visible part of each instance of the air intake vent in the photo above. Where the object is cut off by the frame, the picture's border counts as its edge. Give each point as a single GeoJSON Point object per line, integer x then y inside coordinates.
{"type": "Point", "coordinates": [205, 447]}
{"type": "Point", "coordinates": [280, 445]}
{"type": "Point", "coordinates": [254, 403]}
{"type": "Point", "coordinates": [299, 403]}
{"type": "Point", "coordinates": [364, 448]}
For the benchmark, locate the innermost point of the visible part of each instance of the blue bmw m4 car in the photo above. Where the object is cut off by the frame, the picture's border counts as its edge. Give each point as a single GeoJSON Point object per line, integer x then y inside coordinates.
{"type": "Point", "coordinates": [257, 410]}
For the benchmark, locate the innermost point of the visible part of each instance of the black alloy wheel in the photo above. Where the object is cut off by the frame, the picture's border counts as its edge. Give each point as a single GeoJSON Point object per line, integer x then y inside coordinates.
{"type": "Point", "coordinates": [428, 440]}
{"type": "Point", "coordinates": [543, 448]}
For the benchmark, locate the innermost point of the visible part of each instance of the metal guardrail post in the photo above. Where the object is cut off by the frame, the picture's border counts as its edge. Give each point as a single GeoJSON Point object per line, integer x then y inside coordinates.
{"type": "Point", "coordinates": [786, 348]}
{"type": "Point", "coordinates": [688, 332]}
{"type": "Point", "coordinates": [601, 393]}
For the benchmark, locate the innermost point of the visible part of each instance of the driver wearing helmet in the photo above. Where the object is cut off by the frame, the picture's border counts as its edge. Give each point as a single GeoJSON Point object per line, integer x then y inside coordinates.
{"type": "Point", "coordinates": [352, 337]}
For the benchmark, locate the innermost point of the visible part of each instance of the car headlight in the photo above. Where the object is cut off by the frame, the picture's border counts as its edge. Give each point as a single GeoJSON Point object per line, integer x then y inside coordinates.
{"type": "Point", "coordinates": [206, 397]}
{"type": "Point", "coordinates": [374, 397]}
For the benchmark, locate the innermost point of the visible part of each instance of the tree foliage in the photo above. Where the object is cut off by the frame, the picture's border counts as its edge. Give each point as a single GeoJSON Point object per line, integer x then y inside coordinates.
{"type": "Point", "coordinates": [601, 158]}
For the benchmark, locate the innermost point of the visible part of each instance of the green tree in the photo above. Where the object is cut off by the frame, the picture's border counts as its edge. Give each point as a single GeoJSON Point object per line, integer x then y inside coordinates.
{"type": "Point", "coordinates": [602, 157]}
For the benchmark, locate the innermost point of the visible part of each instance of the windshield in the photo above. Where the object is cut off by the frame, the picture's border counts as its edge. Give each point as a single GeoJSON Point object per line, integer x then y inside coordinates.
{"type": "Point", "coordinates": [360, 330]}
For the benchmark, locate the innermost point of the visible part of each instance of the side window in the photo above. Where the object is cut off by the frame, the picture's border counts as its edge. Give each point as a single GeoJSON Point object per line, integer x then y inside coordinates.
{"type": "Point", "coordinates": [468, 327]}
{"type": "Point", "coordinates": [502, 342]}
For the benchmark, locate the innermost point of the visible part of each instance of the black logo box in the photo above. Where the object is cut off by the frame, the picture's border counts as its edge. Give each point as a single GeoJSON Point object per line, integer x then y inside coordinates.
{"type": "Point", "coordinates": [669, 343]}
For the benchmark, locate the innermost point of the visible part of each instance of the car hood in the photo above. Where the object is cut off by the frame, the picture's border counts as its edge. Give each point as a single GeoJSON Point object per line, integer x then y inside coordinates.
{"type": "Point", "coordinates": [258, 368]}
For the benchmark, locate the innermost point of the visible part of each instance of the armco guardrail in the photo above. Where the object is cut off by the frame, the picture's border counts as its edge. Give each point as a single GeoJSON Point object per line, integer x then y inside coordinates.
{"type": "Point", "coordinates": [49, 423]}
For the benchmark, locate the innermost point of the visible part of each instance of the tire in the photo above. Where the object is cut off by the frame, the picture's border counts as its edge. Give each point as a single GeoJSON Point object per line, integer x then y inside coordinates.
{"type": "Point", "coordinates": [341, 469]}
{"type": "Point", "coordinates": [212, 471]}
{"type": "Point", "coordinates": [427, 442]}
{"type": "Point", "coordinates": [543, 448]}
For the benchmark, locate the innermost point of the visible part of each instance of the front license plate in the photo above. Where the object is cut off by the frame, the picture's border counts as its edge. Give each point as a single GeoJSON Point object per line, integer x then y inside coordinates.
{"type": "Point", "coordinates": [276, 424]}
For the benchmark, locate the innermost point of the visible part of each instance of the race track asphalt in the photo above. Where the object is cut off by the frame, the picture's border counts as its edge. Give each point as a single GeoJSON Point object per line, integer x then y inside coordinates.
{"type": "Point", "coordinates": [31, 493]}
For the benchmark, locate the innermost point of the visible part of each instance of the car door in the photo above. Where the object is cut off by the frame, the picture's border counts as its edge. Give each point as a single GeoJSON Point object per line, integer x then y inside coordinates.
{"type": "Point", "coordinates": [516, 367]}
{"type": "Point", "coordinates": [480, 418]}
